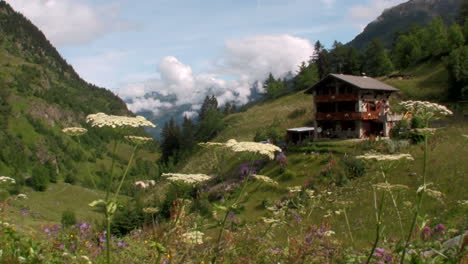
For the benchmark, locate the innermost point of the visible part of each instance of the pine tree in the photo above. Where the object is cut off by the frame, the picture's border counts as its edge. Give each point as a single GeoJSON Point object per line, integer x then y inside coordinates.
{"type": "Point", "coordinates": [306, 76]}
{"type": "Point", "coordinates": [171, 141]}
{"type": "Point", "coordinates": [407, 51]}
{"type": "Point", "coordinates": [377, 61]}
{"type": "Point", "coordinates": [338, 56]}
{"type": "Point", "coordinates": [439, 43]}
{"type": "Point", "coordinates": [210, 102]}
{"type": "Point", "coordinates": [353, 62]}
{"type": "Point", "coordinates": [321, 58]}
{"type": "Point", "coordinates": [458, 73]}
{"type": "Point", "coordinates": [188, 142]}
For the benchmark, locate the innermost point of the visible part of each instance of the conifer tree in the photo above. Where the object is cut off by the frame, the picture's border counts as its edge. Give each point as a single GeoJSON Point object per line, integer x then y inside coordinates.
{"type": "Point", "coordinates": [439, 43]}
{"type": "Point", "coordinates": [377, 61]}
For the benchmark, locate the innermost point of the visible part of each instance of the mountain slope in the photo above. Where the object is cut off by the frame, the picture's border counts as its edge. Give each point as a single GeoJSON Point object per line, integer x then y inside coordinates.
{"type": "Point", "coordinates": [41, 94]}
{"type": "Point", "coordinates": [402, 17]}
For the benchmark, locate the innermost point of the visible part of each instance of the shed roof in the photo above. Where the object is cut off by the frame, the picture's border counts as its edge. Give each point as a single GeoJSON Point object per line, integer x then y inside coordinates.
{"type": "Point", "coordinates": [361, 82]}
{"type": "Point", "coordinates": [301, 129]}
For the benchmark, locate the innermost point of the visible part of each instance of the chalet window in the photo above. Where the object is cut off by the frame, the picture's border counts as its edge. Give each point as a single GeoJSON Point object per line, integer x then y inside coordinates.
{"type": "Point", "coordinates": [346, 106]}
{"type": "Point", "coordinates": [326, 107]}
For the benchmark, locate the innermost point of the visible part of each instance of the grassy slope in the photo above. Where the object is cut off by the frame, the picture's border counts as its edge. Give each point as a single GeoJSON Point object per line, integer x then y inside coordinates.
{"type": "Point", "coordinates": [447, 171]}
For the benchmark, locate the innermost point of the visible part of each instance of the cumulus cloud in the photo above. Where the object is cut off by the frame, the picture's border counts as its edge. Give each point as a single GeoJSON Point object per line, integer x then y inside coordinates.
{"type": "Point", "coordinates": [190, 114]}
{"type": "Point", "coordinates": [246, 61]}
{"type": "Point", "coordinates": [71, 22]}
{"type": "Point", "coordinates": [362, 14]}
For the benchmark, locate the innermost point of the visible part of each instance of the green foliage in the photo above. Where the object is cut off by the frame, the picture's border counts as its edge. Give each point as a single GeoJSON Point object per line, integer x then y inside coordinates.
{"type": "Point", "coordinates": [297, 113]}
{"type": "Point", "coordinates": [354, 167]}
{"type": "Point", "coordinates": [306, 76]}
{"type": "Point", "coordinates": [273, 133]}
{"type": "Point", "coordinates": [463, 12]}
{"type": "Point", "coordinates": [322, 59]}
{"type": "Point", "coordinates": [287, 175]}
{"type": "Point", "coordinates": [439, 43]}
{"type": "Point", "coordinates": [68, 218]}
{"type": "Point", "coordinates": [401, 130]}
{"type": "Point", "coordinates": [458, 71]}
{"type": "Point", "coordinates": [274, 87]}
{"type": "Point", "coordinates": [407, 51]}
{"type": "Point", "coordinates": [40, 178]}
{"type": "Point", "coordinates": [210, 125]}
{"type": "Point", "coordinates": [127, 218]}
{"type": "Point", "coordinates": [377, 61]}
{"type": "Point", "coordinates": [456, 37]}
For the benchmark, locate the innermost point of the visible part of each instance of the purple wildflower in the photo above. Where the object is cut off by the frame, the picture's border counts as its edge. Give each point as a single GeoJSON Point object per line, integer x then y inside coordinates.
{"type": "Point", "coordinates": [377, 255]}
{"type": "Point", "coordinates": [426, 233]}
{"type": "Point", "coordinates": [388, 258]}
{"type": "Point", "coordinates": [122, 244]}
{"type": "Point", "coordinates": [24, 212]}
{"type": "Point", "coordinates": [380, 250]}
{"type": "Point", "coordinates": [298, 218]}
{"type": "Point", "coordinates": [308, 239]}
{"type": "Point", "coordinates": [440, 229]}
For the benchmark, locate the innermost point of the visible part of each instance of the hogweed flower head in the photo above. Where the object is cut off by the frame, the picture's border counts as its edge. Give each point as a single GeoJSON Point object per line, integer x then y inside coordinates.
{"type": "Point", "coordinates": [426, 110]}
{"type": "Point", "coordinates": [102, 120]}
{"type": "Point", "coordinates": [6, 179]}
{"type": "Point", "coordinates": [294, 189]}
{"type": "Point", "coordinates": [138, 140]}
{"type": "Point", "coordinates": [264, 179]}
{"type": "Point", "coordinates": [268, 150]}
{"type": "Point", "coordinates": [21, 196]}
{"type": "Point", "coordinates": [74, 131]}
{"type": "Point", "coordinates": [150, 210]}
{"type": "Point", "coordinates": [382, 157]}
{"type": "Point", "coordinates": [193, 237]}
{"type": "Point", "coordinates": [388, 186]}
{"type": "Point", "coordinates": [186, 178]}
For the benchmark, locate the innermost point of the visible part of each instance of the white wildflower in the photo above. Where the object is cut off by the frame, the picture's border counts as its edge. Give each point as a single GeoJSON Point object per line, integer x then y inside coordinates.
{"type": "Point", "coordinates": [6, 179]}
{"type": "Point", "coordinates": [435, 194]}
{"type": "Point", "coordinates": [463, 202]}
{"type": "Point", "coordinates": [270, 221]}
{"type": "Point", "coordinates": [74, 131]}
{"type": "Point", "coordinates": [294, 189]}
{"type": "Point", "coordinates": [264, 179]}
{"type": "Point", "coordinates": [382, 157]}
{"type": "Point", "coordinates": [261, 148]}
{"type": "Point", "coordinates": [138, 140]}
{"type": "Point", "coordinates": [151, 210]}
{"type": "Point", "coordinates": [329, 233]}
{"type": "Point", "coordinates": [310, 193]}
{"type": "Point", "coordinates": [85, 258]}
{"type": "Point", "coordinates": [388, 186]}
{"type": "Point", "coordinates": [21, 259]}
{"type": "Point", "coordinates": [465, 136]}
{"type": "Point", "coordinates": [193, 238]}
{"type": "Point", "coordinates": [21, 196]}
{"type": "Point", "coordinates": [102, 120]}
{"type": "Point", "coordinates": [426, 109]}
{"type": "Point", "coordinates": [186, 178]}
{"type": "Point", "coordinates": [5, 224]}
{"type": "Point", "coordinates": [145, 184]}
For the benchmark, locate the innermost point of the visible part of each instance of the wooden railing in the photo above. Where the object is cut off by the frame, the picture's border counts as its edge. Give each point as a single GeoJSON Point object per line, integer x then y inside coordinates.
{"type": "Point", "coordinates": [337, 116]}
{"type": "Point", "coordinates": [335, 98]}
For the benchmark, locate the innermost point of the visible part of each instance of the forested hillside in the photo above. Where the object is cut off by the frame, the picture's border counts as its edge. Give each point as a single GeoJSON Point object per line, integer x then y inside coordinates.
{"type": "Point", "coordinates": [40, 93]}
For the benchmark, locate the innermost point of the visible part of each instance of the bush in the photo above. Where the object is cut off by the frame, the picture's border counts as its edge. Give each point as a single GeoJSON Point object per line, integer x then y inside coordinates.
{"type": "Point", "coordinates": [354, 167]}
{"type": "Point", "coordinates": [68, 218]}
{"type": "Point", "coordinates": [400, 130]}
{"type": "Point", "coordinates": [126, 219]}
{"type": "Point", "coordinates": [70, 178]}
{"type": "Point", "coordinates": [39, 178]}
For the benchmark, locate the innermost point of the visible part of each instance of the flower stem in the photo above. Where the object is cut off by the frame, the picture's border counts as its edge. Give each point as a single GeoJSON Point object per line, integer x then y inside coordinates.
{"type": "Point", "coordinates": [418, 206]}
{"type": "Point", "coordinates": [378, 217]}
{"type": "Point", "coordinates": [348, 225]}
{"type": "Point", "coordinates": [228, 211]}
{"type": "Point", "coordinates": [126, 172]}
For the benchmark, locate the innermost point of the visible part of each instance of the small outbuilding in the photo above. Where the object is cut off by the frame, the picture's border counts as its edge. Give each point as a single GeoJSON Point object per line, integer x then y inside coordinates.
{"type": "Point", "coordinates": [297, 135]}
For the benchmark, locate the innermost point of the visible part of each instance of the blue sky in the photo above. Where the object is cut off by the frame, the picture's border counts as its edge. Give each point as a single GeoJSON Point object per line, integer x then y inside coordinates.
{"type": "Point", "coordinates": [190, 46]}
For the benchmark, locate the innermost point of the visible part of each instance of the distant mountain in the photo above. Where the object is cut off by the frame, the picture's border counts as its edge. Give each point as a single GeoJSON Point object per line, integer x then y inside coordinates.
{"type": "Point", "coordinates": [400, 19]}
{"type": "Point", "coordinates": [40, 93]}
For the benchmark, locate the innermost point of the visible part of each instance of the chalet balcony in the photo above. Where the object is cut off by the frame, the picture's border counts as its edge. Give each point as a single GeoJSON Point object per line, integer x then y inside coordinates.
{"type": "Point", "coordinates": [339, 116]}
{"type": "Point", "coordinates": [329, 98]}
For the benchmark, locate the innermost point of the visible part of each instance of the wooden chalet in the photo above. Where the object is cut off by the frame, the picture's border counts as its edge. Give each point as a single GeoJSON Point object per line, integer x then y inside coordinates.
{"type": "Point", "coordinates": [348, 106]}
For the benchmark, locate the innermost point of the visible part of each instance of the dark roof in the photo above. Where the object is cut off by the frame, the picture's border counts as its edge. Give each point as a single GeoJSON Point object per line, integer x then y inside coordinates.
{"type": "Point", "coordinates": [361, 82]}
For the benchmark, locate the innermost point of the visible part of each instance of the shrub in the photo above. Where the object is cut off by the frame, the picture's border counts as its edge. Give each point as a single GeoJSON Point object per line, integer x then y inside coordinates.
{"type": "Point", "coordinates": [400, 130]}
{"type": "Point", "coordinates": [354, 167]}
{"type": "Point", "coordinates": [126, 219]}
{"type": "Point", "coordinates": [68, 218]}
{"type": "Point", "coordinates": [39, 178]}
{"type": "Point", "coordinates": [70, 178]}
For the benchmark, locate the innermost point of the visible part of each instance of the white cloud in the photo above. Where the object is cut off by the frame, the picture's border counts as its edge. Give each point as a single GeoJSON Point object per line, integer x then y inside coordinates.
{"type": "Point", "coordinates": [148, 104]}
{"type": "Point", "coordinates": [190, 114]}
{"type": "Point", "coordinates": [71, 22]}
{"type": "Point", "coordinates": [328, 3]}
{"type": "Point", "coordinates": [362, 15]}
{"type": "Point", "coordinates": [245, 61]}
